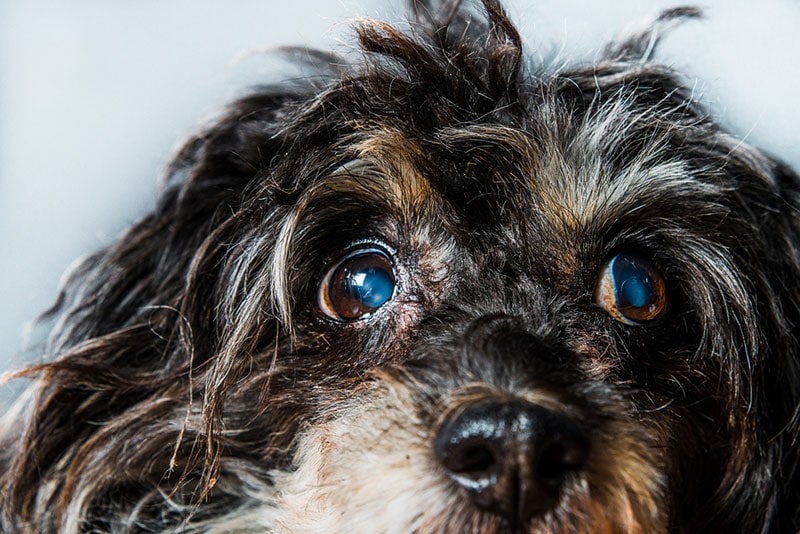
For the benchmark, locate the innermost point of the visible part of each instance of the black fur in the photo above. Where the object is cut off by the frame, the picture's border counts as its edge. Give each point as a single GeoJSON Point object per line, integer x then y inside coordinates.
{"type": "Point", "coordinates": [192, 365]}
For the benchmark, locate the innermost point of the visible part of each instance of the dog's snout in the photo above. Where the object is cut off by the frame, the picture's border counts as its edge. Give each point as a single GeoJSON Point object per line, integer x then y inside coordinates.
{"type": "Point", "coordinates": [511, 457]}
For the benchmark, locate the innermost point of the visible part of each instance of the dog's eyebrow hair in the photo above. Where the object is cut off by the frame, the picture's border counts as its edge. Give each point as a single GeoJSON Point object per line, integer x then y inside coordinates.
{"type": "Point", "coordinates": [399, 186]}
{"type": "Point", "coordinates": [382, 168]}
{"type": "Point", "coordinates": [390, 154]}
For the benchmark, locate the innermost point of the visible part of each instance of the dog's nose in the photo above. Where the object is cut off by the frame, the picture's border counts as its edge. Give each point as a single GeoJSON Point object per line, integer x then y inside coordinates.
{"type": "Point", "coordinates": [512, 457]}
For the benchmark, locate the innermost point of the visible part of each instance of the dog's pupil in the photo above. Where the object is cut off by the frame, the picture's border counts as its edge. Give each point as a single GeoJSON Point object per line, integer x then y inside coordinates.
{"type": "Point", "coordinates": [634, 285]}
{"type": "Point", "coordinates": [372, 286]}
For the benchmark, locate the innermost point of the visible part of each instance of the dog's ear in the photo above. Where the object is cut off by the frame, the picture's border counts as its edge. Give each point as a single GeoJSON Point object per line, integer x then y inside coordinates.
{"type": "Point", "coordinates": [139, 346]}
{"type": "Point", "coordinates": [783, 379]}
{"type": "Point", "coordinates": [768, 191]}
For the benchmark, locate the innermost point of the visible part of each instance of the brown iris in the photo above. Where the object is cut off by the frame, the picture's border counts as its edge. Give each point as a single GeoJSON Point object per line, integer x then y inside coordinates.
{"type": "Point", "coordinates": [631, 289]}
{"type": "Point", "coordinates": [357, 286]}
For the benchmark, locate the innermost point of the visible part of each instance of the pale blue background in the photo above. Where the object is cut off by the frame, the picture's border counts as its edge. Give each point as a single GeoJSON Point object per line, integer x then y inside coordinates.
{"type": "Point", "coordinates": [95, 94]}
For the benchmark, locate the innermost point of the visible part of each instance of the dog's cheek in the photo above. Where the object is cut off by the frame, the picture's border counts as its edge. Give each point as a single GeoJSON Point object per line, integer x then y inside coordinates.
{"type": "Point", "coordinates": [372, 450]}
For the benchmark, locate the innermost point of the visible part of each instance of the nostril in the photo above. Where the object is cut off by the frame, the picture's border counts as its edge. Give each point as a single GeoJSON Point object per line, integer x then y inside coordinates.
{"type": "Point", "coordinates": [471, 458]}
{"type": "Point", "coordinates": [470, 450]}
{"type": "Point", "coordinates": [563, 455]}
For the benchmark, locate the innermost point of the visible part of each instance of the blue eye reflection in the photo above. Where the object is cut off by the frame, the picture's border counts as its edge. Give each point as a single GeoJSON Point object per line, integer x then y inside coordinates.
{"type": "Point", "coordinates": [372, 287]}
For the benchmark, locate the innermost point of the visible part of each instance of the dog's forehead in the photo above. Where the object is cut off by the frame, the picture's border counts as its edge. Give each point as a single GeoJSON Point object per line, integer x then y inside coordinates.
{"type": "Point", "coordinates": [556, 180]}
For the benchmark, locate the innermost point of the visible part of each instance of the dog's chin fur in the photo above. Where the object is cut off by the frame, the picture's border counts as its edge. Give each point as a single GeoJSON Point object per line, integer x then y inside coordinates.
{"type": "Point", "coordinates": [198, 380]}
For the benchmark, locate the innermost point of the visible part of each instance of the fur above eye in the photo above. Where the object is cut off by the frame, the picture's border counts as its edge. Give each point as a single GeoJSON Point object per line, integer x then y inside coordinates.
{"type": "Point", "coordinates": [631, 289]}
{"type": "Point", "coordinates": [357, 285]}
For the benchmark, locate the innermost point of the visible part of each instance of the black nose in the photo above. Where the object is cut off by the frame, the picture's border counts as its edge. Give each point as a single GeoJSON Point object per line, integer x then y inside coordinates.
{"type": "Point", "coordinates": [512, 457]}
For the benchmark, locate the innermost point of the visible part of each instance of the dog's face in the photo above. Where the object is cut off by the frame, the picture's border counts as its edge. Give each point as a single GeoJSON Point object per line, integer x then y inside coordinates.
{"type": "Point", "coordinates": [442, 292]}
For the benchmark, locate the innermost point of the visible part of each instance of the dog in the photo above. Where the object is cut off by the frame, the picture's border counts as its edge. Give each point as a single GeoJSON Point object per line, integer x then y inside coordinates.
{"type": "Point", "coordinates": [443, 288]}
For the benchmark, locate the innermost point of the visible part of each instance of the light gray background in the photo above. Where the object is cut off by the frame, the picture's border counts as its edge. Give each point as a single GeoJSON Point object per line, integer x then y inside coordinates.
{"type": "Point", "coordinates": [95, 94]}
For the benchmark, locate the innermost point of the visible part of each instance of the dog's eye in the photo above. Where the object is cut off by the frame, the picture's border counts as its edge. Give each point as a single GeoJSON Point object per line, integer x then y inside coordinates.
{"type": "Point", "coordinates": [631, 289]}
{"type": "Point", "coordinates": [357, 285]}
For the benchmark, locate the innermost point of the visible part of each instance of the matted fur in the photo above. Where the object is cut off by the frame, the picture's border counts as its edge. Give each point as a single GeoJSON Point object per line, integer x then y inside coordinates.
{"type": "Point", "coordinates": [194, 385]}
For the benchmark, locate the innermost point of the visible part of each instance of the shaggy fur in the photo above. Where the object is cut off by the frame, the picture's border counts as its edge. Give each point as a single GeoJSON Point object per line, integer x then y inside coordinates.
{"type": "Point", "coordinates": [196, 383]}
